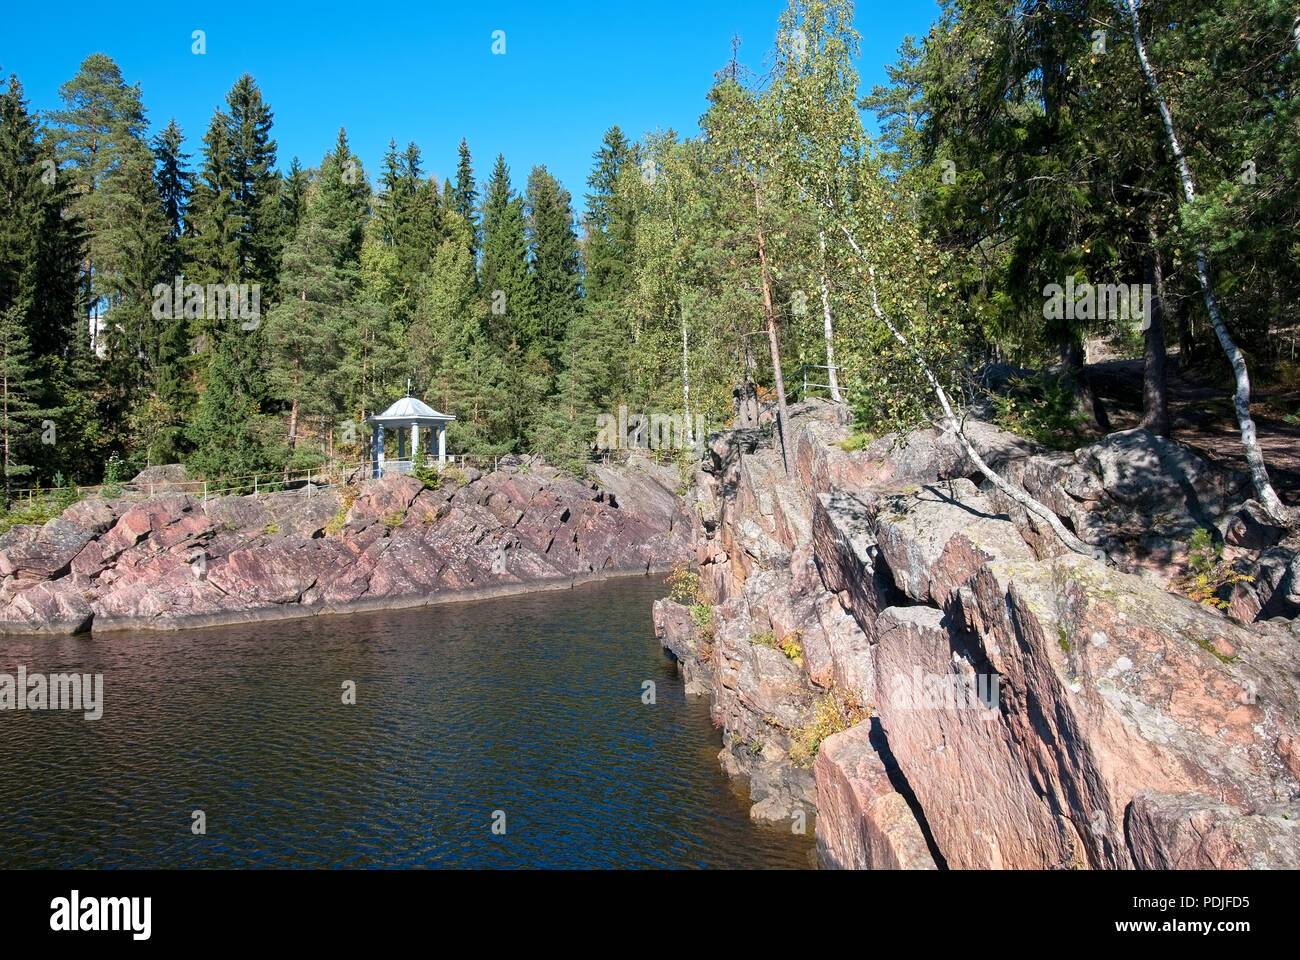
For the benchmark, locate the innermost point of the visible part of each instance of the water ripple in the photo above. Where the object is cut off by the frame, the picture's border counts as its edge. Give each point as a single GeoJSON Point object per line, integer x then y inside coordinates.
{"type": "Point", "coordinates": [529, 705]}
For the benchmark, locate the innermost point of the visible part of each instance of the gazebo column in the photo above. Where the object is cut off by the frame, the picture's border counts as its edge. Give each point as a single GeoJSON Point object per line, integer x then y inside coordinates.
{"type": "Point", "coordinates": [442, 443]}
{"type": "Point", "coordinates": [415, 445]}
{"type": "Point", "coordinates": [401, 444]}
{"type": "Point", "coordinates": [379, 450]}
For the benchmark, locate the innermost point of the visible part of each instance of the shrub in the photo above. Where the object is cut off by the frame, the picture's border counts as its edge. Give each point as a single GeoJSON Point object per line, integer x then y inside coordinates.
{"type": "Point", "coordinates": [429, 476]}
{"type": "Point", "coordinates": [433, 478]}
{"type": "Point", "coordinates": [1207, 576]}
{"type": "Point", "coordinates": [685, 473]}
{"type": "Point", "coordinates": [857, 440]}
{"type": "Point", "coordinates": [337, 522]}
{"type": "Point", "coordinates": [683, 584]}
{"type": "Point", "coordinates": [1042, 408]}
{"type": "Point", "coordinates": [789, 644]}
{"type": "Point", "coordinates": [112, 485]}
{"type": "Point", "coordinates": [37, 512]}
{"type": "Point", "coordinates": [66, 496]}
{"type": "Point", "coordinates": [702, 614]}
{"type": "Point", "coordinates": [394, 519]}
{"type": "Point", "coordinates": [830, 714]}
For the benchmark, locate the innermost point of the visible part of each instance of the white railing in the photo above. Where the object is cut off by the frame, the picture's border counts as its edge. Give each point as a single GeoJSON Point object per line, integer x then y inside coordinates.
{"type": "Point", "coordinates": [253, 484]}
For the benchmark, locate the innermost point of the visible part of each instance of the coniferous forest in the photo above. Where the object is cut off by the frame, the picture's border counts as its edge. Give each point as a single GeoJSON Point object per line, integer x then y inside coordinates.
{"type": "Point", "coordinates": [194, 296]}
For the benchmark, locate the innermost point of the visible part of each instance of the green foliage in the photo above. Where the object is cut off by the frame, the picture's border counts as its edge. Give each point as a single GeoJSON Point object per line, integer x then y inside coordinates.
{"type": "Point", "coordinates": [702, 615]}
{"type": "Point", "coordinates": [394, 520]}
{"type": "Point", "coordinates": [112, 485]}
{"type": "Point", "coordinates": [35, 512]}
{"type": "Point", "coordinates": [831, 713]}
{"type": "Point", "coordinates": [788, 644]}
{"type": "Point", "coordinates": [433, 477]}
{"type": "Point", "coordinates": [340, 519]}
{"type": "Point", "coordinates": [337, 522]}
{"type": "Point", "coordinates": [1207, 576]}
{"type": "Point", "coordinates": [683, 584]}
{"type": "Point", "coordinates": [1012, 155]}
{"type": "Point", "coordinates": [857, 440]}
{"type": "Point", "coordinates": [428, 475]}
{"type": "Point", "coordinates": [1044, 409]}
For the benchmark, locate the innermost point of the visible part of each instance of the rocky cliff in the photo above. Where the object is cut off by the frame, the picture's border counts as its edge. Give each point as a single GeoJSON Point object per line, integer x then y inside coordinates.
{"type": "Point", "coordinates": [972, 696]}
{"type": "Point", "coordinates": [174, 560]}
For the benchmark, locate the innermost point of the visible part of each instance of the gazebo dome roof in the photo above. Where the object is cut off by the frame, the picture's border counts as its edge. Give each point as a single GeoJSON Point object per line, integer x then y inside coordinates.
{"type": "Point", "coordinates": [410, 410]}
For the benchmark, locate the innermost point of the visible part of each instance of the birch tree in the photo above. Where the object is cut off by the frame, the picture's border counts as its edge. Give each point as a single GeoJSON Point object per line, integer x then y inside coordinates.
{"type": "Point", "coordinates": [1264, 491]}
{"type": "Point", "coordinates": [820, 128]}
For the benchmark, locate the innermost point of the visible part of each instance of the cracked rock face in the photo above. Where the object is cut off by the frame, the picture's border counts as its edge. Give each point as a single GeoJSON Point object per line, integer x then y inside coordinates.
{"type": "Point", "coordinates": [1027, 708]}
{"type": "Point", "coordinates": [173, 560]}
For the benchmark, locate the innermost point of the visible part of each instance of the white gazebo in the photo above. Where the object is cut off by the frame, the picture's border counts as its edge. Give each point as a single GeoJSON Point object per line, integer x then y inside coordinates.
{"type": "Point", "coordinates": [406, 414]}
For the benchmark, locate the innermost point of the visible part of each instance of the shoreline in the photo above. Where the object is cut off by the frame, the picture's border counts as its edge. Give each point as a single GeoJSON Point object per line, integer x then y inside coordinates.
{"type": "Point", "coordinates": [295, 611]}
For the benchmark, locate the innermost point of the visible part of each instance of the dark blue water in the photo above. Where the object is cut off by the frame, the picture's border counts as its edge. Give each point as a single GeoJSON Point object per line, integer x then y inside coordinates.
{"type": "Point", "coordinates": [528, 705]}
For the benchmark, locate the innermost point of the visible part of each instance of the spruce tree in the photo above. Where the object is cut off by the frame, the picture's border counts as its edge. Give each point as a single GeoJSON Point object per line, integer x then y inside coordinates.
{"type": "Point", "coordinates": [554, 263]}
{"type": "Point", "coordinates": [610, 222]}
{"type": "Point", "coordinates": [238, 235]}
{"type": "Point", "coordinates": [465, 196]}
{"type": "Point", "coordinates": [18, 386]}
{"type": "Point", "coordinates": [175, 184]}
{"type": "Point", "coordinates": [504, 281]}
{"type": "Point", "coordinates": [293, 199]}
{"type": "Point", "coordinates": [41, 252]}
{"type": "Point", "coordinates": [313, 335]}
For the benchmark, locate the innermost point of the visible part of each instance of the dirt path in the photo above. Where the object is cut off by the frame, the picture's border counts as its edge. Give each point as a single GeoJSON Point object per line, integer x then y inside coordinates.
{"type": "Point", "coordinates": [1202, 416]}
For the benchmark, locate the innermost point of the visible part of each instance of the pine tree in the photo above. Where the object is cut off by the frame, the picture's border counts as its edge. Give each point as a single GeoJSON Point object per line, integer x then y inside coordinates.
{"type": "Point", "coordinates": [136, 226]}
{"type": "Point", "coordinates": [101, 127]}
{"type": "Point", "coordinates": [313, 335]}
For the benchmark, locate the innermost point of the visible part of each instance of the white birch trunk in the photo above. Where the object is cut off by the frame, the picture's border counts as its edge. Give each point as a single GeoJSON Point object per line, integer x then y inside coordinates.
{"type": "Point", "coordinates": [827, 325]}
{"type": "Point", "coordinates": [1264, 491]}
{"type": "Point", "coordinates": [686, 388]}
{"type": "Point", "coordinates": [953, 423]}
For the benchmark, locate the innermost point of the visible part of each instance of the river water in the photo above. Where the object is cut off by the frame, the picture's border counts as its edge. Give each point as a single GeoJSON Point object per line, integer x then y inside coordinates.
{"type": "Point", "coordinates": [524, 713]}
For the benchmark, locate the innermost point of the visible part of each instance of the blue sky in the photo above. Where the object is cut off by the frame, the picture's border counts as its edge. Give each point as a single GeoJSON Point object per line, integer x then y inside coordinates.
{"type": "Point", "coordinates": [426, 71]}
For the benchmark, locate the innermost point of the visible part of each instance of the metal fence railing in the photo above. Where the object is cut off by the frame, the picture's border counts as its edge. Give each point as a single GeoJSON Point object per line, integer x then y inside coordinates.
{"type": "Point", "coordinates": [307, 481]}
{"type": "Point", "coordinates": [255, 484]}
{"type": "Point", "coordinates": [767, 398]}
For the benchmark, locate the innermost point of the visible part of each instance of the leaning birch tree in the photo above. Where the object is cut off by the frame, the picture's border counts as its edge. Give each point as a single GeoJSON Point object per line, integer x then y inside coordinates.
{"type": "Point", "coordinates": [1264, 491]}
{"type": "Point", "coordinates": [924, 325]}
